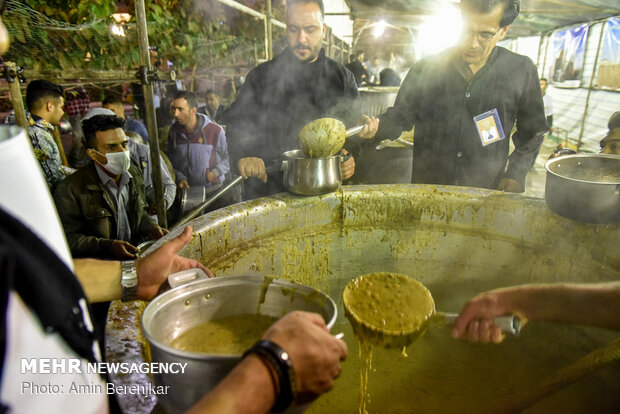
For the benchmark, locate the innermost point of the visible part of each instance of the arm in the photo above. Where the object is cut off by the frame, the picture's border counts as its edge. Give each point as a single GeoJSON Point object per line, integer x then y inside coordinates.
{"type": "Point", "coordinates": [144, 226]}
{"type": "Point", "coordinates": [75, 228]}
{"type": "Point", "coordinates": [222, 164]}
{"type": "Point", "coordinates": [170, 189]}
{"type": "Point", "coordinates": [585, 304]}
{"type": "Point", "coordinates": [531, 127]}
{"type": "Point", "coordinates": [170, 151]}
{"type": "Point", "coordinates": [140, 128]}
{"type": "Point", "coordinates": [47, 153]}
{"type": "Point", "coordinates": [315, 356]}
{"type": "Point", "coordinates": [101, 279]}
{"type": "Point", "coordinates": [349, 110]}
{"type": "Point", "coordinates": [401, 116]}
{"type": "Point", "coordinates": [242, 119]}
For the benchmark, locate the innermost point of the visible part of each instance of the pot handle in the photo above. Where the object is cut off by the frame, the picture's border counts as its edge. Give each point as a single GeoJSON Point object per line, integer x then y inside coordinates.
{"type": "Point", "coordinates": [343, 157]}
{"type": "Point", "coordinates": [186, 276]}
{"type": "Point", "coordinates": [284, 166]}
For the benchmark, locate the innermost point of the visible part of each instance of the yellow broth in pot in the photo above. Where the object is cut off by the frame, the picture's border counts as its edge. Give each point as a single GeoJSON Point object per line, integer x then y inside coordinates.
{"type": "Point", "coordinates": [231, 335]}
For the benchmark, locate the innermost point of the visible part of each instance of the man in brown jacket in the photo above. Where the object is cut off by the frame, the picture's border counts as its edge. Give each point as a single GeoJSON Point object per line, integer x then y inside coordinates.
{"type": "Point", "coordinates": [103, 206]}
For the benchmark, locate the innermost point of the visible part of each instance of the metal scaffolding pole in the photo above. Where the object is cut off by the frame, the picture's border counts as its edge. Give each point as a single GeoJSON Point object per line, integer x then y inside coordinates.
{"type": "Point", "coordinates": [12, 75]}
{"type": "Point", "coordinates": [148, 76]}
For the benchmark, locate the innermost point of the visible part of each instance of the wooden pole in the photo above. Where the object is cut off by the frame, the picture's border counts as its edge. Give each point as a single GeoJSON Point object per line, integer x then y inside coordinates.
{"type": "Point", "coordinates": [330, 45]}
{"type": "Point", "coordinates": [61, 149]}
{"type": "Point", "coordinates": [16, 95]}
{"type": "Point", "coordinates": [268, 19]}
{"type": "Point", "coordinates": [87, 75]}
{"type": "Point", "coordinates": [151, 120]}
{"type": "Point", "coordinates": [266, 24]}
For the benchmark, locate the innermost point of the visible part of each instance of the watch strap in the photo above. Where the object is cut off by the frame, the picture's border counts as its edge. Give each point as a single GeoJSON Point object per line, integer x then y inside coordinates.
{"type": "Point", "coordinates": [280, 361]}
{"type": "Point", "coordinates": [129, 280]}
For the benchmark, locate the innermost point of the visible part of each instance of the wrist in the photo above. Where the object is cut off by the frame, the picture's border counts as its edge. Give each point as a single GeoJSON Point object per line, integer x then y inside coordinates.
{"type": "Point", "coordinates": [281, 370]}
{"type": "Point", "coordinates": [129, 280]}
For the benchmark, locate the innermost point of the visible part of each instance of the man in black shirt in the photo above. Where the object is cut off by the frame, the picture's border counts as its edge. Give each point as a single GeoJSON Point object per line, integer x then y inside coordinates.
{"type": "Point", "coordinates": [464, 103]}
{"type": "Point", "coordinates": [282, 95]}
{"type": "Point", "coordinates": [356, 66]}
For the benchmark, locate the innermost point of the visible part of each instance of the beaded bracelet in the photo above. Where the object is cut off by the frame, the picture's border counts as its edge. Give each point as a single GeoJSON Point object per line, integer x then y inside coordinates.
{"type": "Point", "coordinates": [278, 361]}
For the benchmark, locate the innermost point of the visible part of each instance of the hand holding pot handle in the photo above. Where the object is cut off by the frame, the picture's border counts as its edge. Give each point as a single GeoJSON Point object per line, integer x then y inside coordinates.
{"type": "Point", "coordinates": [347, 164]}
{"type": "Point", "coordinates": [154, 268]}
{"type": "Point", "coordinates": [314, 352]}
{"type": "Point", "coordinates": [252, 167]}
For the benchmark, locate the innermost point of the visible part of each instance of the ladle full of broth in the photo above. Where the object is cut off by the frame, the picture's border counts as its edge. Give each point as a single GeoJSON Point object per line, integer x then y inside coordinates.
{"type": "Point", "coordinates": [392, 310]}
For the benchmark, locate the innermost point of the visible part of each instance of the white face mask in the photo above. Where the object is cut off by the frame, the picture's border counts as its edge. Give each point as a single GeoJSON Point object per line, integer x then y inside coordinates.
{"type": "Point", "coordinates": [118, 162]}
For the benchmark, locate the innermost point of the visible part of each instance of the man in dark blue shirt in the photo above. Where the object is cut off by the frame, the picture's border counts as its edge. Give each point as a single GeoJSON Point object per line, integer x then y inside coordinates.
{"type": "Point", "coordinates": [464, 103]}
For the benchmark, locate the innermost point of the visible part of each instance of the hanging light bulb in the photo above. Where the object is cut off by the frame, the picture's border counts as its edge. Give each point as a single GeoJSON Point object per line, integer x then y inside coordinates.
{"type": "Point", "coordinates": [117, 30]}
{"type": "Point", "coordinates": [121, 18]}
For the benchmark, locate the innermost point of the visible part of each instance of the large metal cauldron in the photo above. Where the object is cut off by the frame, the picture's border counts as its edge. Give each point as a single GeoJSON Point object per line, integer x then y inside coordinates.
{"type": "Point", "coordinates": [458, 242]}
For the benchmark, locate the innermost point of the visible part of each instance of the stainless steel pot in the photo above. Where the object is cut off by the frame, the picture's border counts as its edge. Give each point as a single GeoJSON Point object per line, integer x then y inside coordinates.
{"type": "Point", "coordinates": [584, 187]}
{"type": "Point", "coordinates": [189, 305]}
{"type": "Point", "coordinates": [311, 176]}
{"type": "Point", "coordinates": [194, 196]}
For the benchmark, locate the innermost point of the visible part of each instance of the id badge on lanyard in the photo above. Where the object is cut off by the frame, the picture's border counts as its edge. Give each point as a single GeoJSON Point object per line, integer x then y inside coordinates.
{"type": "Point", "coordinates": [489, 127]}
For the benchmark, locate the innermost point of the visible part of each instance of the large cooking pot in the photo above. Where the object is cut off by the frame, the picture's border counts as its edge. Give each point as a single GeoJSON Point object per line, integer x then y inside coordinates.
{"type": "Point", "coordinates": [458, 242]}
{"type": "Point", "coordinates": [194, 303]}
{"type": "Point", "coordinates": [584, 187]}
{"type": "Point", "coordinates": [311, 176]}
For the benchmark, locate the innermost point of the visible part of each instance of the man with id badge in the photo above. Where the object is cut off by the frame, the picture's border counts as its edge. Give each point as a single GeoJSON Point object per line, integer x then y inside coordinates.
{"type": "Point", "coordinates": [464, 103]}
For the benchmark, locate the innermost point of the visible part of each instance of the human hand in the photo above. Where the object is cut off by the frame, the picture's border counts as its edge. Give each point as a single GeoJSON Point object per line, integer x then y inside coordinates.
{"type": "Point", "coordinates": [122, 250]}
{"type": "Point", "coordinates": [475, 322]}
{"type": "Point", "coordinates": [210, 175]}
{"type": "Point", "coordinates": [347, 168]}
{"type": "Point", "coordinates": [315, 353]}
{"type": "Point", "coordinates": [153, 269]}
{"type": "Point", "coordinates": [157, 232]}
{"type": "Point", "coordinates": [510, 185]}
{"type": "Point", "coordinates": [183, 184]}
{"type": "Point", "coordinates": [252, 167]}
{"type": "Point", "coordinates": [371, 127]}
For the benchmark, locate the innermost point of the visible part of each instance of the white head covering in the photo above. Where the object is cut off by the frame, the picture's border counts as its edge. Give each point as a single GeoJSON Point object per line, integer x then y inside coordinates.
{"type": "Point", "coordinates": [97, 111]}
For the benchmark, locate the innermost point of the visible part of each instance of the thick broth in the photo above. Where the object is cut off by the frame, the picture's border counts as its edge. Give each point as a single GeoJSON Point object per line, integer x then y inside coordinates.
{"type": "Point", "coordinates": [232, 335]}
{"type": "Point", "coordinates": [389, 302]}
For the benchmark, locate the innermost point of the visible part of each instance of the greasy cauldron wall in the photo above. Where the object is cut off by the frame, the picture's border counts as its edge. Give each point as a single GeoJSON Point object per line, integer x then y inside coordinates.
{"type": "Point", "coordinates": [458, 242]}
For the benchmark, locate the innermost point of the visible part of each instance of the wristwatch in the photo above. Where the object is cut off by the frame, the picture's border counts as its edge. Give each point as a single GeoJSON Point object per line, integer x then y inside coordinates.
{"type": "Point", "coordinates": [285, 383]}
{"type": "Point", "coordinates": [129, 280]}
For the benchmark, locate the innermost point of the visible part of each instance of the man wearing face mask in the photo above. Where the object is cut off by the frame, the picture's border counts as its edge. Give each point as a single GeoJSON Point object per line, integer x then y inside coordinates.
{"type": "Point", "coordinates": [103, 206]}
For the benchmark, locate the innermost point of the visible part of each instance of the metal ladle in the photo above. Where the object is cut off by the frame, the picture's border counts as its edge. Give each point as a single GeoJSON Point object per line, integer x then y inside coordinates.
{"type": "Point", "coordinates": [393, 310]}
{"type": "Point", "coordinates": [324, 137]}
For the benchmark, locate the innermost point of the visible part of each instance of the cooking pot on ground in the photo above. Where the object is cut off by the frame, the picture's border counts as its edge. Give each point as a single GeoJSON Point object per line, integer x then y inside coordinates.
{"type": "Point", "coordinates": [194, 303]}
{"type": "Point", "coordinates": [311, 176]}
{"type": "Point", "coordinates": [584, 187]}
